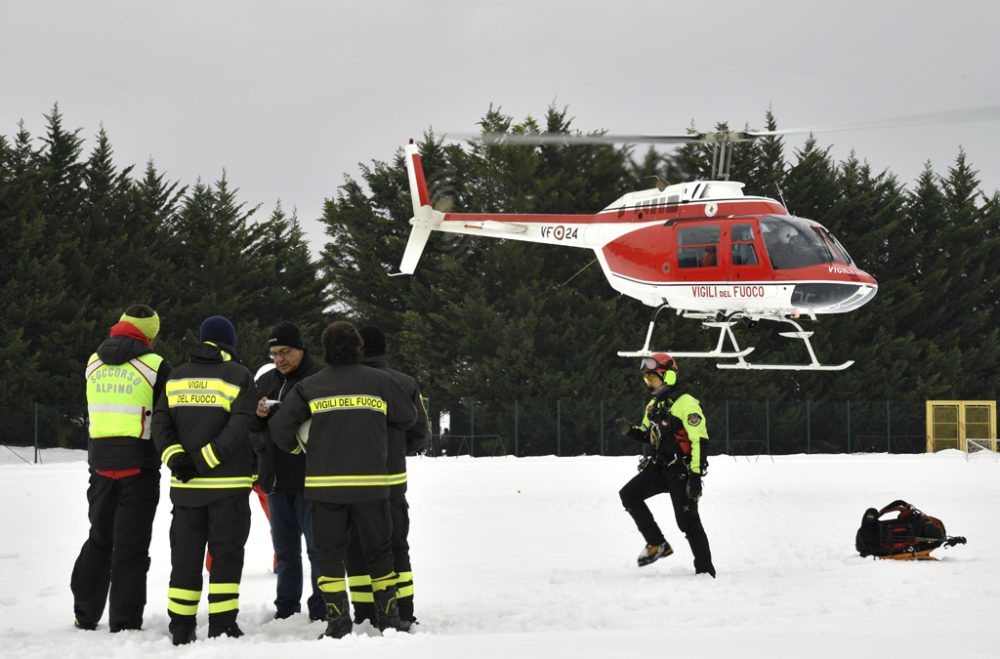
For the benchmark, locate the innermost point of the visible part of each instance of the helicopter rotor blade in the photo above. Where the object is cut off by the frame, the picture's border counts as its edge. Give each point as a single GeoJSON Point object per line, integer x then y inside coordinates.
{"type": "Point", "coordinates": [494, 139]}
{"type": "Point", "coordinates": [956, 116]}
{"type": "Point", "coordinates": [960, 116]}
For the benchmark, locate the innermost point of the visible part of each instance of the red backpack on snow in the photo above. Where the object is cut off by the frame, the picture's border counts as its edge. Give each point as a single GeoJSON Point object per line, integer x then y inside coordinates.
{"type": "Point", "coordinates": [909, 535]}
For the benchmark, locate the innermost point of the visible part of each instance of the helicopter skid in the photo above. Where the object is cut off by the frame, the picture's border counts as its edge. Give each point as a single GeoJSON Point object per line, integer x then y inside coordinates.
{"type": "Point", "coordinates": [746, 366]}
{"type": "Point", "coordinates": [725, 328]}
{"type": "Point", "coordinates": [716, 354]}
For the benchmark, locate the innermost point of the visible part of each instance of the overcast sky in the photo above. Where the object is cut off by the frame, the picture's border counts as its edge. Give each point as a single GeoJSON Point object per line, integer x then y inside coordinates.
{"type": "Point", "coordinates": [288, 96]}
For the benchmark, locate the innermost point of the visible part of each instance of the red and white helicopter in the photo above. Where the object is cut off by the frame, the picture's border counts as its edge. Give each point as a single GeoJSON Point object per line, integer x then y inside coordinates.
{"type": "Point", "coordinates": [704, 249]}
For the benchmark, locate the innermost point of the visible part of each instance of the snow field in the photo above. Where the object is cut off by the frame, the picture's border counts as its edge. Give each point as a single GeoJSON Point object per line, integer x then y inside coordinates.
{"type": "Point", "coordinates": [535, 557]}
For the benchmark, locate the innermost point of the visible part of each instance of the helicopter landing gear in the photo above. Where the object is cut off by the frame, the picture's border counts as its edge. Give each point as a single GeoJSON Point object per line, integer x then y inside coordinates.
{"type": "Point", "coordinates": [799, 333]}
{"type": "Point", "coordinates": [725, 326]}
{"type": "Point", "coordinates": [720, 322]}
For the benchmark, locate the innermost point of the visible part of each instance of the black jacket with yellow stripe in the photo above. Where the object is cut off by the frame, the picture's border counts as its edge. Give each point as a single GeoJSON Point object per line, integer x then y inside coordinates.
{"type": "Point", "coordinates": [403, 442]}
{"type": "Point", "coordinates": [350, 408]}
{"type": "Point", "coordinates": [205, 413]}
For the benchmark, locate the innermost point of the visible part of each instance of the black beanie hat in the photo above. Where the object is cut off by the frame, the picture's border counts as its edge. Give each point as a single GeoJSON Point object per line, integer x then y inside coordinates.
{"type": "Point", "coordinates": [374, 341]}
{"type": "Point", "coordinates": [286, 334]}
{"type": "Point", "coordinates": [218, 329]}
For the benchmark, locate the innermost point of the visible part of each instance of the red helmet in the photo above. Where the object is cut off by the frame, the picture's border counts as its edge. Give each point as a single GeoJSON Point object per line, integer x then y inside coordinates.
{"type": "Point", "coordinates": [663, 365]}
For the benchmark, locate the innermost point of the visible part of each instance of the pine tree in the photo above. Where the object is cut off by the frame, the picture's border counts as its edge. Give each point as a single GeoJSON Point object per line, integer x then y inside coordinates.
{"type": "Point", "coordinates": [767, 173]}
{"type": "Point", "coordinates": [290, 287]}
{"type": "Point", "coordinates": [61, 336]}
{"type": "Point", "coordinates": [972, 277]}
{"type": "Point", "coordinates": [30, 273]}
{"type": "Point", "coordinates": [209, 237]}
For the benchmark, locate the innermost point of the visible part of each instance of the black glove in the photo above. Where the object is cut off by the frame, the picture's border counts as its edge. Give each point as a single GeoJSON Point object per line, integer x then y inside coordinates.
{"type": "Point", "coordinates": [186, 473]}
{"type": "Point", "coordinates": [694, 486]}
{"type": "Point", "coordinates": [183, 468]}
{"type": "Point", "coordinates": [622, 426]}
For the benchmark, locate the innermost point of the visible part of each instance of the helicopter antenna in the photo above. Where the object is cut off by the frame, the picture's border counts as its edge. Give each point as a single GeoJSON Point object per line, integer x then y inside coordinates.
{"type": "Point", "coordinates": [781, 196]}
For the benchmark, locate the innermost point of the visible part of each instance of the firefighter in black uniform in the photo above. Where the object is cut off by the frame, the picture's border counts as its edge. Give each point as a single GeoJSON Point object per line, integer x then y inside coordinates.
{"type": "Point", "coordinates": [674, 426]}
{"type": "Point", "coordinates": [201, 429]}
{"type": "Point", "coordinates": [125, 378]}
{"type": "Point", "coordinates": [349, 408]}
{"type": "Point", "coordinates": [283, 475]}
{"type": "Point", "coordinates": [401, 444]}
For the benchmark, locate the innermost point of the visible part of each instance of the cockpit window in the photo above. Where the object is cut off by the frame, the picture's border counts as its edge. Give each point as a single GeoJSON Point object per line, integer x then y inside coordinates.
{"type": "Point", "coordinates": [794, 243]}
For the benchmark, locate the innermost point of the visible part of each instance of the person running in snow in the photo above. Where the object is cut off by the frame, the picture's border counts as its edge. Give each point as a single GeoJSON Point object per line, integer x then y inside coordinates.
{"type": "Point", "coordinates": [675, 427]}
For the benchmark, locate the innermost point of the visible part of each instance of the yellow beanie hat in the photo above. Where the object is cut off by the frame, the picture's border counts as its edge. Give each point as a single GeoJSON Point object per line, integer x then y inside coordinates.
{"type": "Point", "coordinates": [144, 319]}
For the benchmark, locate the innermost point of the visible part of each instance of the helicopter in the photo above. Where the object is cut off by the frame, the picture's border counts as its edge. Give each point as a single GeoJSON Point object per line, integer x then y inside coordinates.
{"type": "Point", "coordinates": [705, 248]}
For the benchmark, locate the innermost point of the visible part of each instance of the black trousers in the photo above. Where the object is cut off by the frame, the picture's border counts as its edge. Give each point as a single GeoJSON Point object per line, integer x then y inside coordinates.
{"type": "Point", "coordinates": [115, 556]}
{"type": "Point", "coordinates": [358, 577]}
{"type": "Point", "coordinates": [224, 526]}
{"type": "Point", "coordinates": [655, 479]}
{"type": "Point", "coordinates": [332, 527]}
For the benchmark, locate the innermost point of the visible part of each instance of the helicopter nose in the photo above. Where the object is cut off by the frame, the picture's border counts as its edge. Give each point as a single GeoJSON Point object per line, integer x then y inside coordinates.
{"type": "Point", "coordinates": [833, 297]}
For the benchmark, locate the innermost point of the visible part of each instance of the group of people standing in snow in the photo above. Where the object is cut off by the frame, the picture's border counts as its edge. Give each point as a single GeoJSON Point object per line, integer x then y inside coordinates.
{"type": "Point", "coordinates": [326, 444]}
{"type": "Point", "coordinates": [324, 447]}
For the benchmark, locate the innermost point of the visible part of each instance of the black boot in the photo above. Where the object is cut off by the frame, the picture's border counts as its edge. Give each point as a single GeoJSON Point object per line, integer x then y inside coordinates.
{"type": "Point", "coordinates": [231, 630]}
{"type": "Point", "coordinates": [182, 634]}
{"type": "Point", "coordinates": [364, 611]}
{"type": "Point", "coordinates": [86, 626]}
{"type": "Point", "coordinates": [387, 611]}
{"type": "Point", "coordinates": [338, 616]}
{"type": "Point", "coordinates": [702, 553]}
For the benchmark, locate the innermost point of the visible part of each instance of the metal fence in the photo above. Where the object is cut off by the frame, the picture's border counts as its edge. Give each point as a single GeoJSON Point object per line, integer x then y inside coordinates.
{"type": "Point", "coordinates": [736, 427]}
{"type": "Point", "coordinates": [586, 427]}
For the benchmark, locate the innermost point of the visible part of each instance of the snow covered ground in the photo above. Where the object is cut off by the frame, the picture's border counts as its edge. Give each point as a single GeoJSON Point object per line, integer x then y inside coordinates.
{"type": "Point", "coordinates": [534, 557]}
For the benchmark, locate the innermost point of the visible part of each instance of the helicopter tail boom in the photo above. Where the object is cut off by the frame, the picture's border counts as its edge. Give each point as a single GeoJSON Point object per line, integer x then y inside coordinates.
{"type": "Point", "coordinates": [562, 230]}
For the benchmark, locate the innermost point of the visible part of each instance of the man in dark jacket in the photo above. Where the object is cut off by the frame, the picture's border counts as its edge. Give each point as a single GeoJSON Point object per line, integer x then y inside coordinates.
{"type": "Point", "coordinates": [201, 428]}
{"type": "Point", "coordinates": [125, 378]}
{"type": "Point", "coordinates": [349, 408]}
{"type": "Point", "coordinates": [401, 444]}
{"type": "Point", "coordinates": [283, 475]}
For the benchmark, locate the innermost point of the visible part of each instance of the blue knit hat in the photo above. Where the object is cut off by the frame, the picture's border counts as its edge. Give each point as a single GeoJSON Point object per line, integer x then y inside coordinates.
{"type": "Point", "coordinates": [218, 329]}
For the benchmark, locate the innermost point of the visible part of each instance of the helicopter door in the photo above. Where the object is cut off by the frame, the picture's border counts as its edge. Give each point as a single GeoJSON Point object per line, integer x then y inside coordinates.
{"type": "Point", "coordinates": [745, 253]}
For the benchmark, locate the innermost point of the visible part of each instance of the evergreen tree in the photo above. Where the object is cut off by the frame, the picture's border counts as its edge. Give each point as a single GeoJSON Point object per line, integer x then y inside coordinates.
{"type": "Point", "coordinates": [209, 237]}
{"type": "Point", "coordinates": [59, 335]}
{"type": "Point", "coordinates": [30, 273]}
{"type": "Point", "coordinates": [153, 203]}
{"type": "Point", "coordinates": [767, 173]}
{"type": "Point", "coordinates": [972, 278]}
{"type": "Point", "coordinates": [290, 288]}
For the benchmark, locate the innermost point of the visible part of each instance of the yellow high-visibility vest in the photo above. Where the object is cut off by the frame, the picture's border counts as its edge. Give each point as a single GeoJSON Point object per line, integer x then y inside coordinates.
{"type": "Point", "coordinates": [120, 396]}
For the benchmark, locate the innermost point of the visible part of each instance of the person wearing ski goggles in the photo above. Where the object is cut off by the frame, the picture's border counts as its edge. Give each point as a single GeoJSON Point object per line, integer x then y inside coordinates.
{"type": "Point", "coordinates": [674, 426]}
